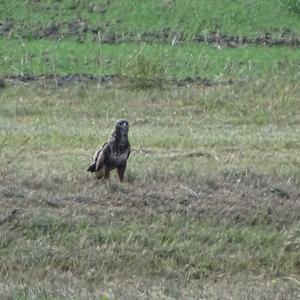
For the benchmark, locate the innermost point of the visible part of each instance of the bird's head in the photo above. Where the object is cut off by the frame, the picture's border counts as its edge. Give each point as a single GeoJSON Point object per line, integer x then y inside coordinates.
{"type": "Point", "coordinates": [122, 127]}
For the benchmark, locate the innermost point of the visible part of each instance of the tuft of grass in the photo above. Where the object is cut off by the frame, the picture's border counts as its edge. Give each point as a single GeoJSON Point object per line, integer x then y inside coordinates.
{"type": "Point", "coordinates": [293, 6]}
{"type": "Point", "coordinates": [142, 72]}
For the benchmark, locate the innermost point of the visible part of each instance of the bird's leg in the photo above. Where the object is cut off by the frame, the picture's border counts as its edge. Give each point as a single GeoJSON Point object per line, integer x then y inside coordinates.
{"type": "Point", "coordinates": [107, 185]}
{"type": "Point", "coordinates": [106, 178]}
{"type": "Point", "coordinates": [121, 171]}
{"type": "Point", "coordinates": [107, 174]}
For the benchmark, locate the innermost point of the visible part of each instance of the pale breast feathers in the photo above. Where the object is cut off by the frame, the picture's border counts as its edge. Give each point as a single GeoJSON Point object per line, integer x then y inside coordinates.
{"type": "Point", "coordinates": [119, 158]}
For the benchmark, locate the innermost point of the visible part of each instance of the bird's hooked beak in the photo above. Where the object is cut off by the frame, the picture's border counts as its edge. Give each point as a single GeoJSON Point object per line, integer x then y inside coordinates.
{"type": "Point", "coordinates": [122, 126]}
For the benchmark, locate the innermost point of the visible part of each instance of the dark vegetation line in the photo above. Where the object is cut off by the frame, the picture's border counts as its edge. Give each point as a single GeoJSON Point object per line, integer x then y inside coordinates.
{"type": "Point", "coordinates": [82, 31]}
{"type": "Point", "coordinates": [111, 79]}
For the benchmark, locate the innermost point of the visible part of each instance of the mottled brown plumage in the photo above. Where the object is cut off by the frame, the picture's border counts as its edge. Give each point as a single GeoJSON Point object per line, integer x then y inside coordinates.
{"type": "Point", "coordinates": [113, 154]}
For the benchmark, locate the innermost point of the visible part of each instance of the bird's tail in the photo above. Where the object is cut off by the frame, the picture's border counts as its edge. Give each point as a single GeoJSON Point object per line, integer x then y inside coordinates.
{"type": "Point", "coordinates": [92, 167]}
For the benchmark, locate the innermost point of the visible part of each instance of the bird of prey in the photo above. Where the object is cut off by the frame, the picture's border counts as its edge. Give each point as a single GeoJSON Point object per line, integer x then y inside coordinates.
{"type": "Point", "coordinates": [113, 154]}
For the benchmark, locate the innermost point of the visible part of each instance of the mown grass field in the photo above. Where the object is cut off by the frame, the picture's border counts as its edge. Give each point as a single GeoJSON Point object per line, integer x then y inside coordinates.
{"type": "Point", "coordinates": [211, 204]}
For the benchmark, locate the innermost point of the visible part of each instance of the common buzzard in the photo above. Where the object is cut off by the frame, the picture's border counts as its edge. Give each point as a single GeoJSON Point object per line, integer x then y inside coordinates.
{"type": "Point", "coordinates": [113, 154]}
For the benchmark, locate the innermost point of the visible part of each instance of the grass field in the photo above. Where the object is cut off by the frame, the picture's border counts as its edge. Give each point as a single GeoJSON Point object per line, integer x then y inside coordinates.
{"type": "Point", "coordinates": [66, 57]}
{"type": "Point", "coordinates": [205, 201]}
{"type": "Point", "coordinates": [210, 208]}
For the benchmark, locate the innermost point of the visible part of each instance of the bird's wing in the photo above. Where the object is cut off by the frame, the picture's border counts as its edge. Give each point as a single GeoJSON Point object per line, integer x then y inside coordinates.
{"type": "Point", "coordinates": [97, 153]}
{"type": "Point", "coordinates": [102, 156]}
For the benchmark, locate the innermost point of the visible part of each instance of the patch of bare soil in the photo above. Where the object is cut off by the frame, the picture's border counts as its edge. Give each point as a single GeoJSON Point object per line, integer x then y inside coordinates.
{"type": "Point", "coordinates": [242, 198]}
{"type": "Point", "coordinates": [6, 27]}
{"type": "Point", "coordinates": [61, 80]}
{"type": "Point", "coordinates": [286, 38]}
{"type": "Point", "coordinates": [219, 39]}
